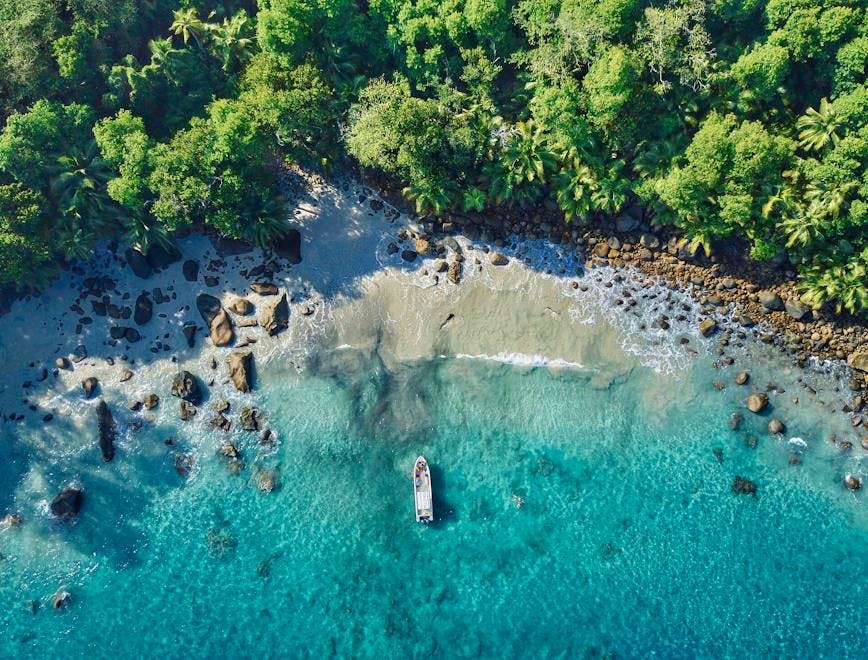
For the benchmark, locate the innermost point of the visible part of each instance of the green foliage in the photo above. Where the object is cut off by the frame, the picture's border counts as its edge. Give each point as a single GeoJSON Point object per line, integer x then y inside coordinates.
{"type": "Point", "coordinates": [25, 255]}
{"type": "Point", "coordinates": [728, 118]}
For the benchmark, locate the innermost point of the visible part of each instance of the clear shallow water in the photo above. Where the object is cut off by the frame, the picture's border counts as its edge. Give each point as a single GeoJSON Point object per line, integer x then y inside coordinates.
{"type": "Point", "coordinates": [629, 540]}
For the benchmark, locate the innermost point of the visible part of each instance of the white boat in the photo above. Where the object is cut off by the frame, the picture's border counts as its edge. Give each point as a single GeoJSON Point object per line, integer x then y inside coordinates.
{"type": "Point", "coordinates": [422, 491]}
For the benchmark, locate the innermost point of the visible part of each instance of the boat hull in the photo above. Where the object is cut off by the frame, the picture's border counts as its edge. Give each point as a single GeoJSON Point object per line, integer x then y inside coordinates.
{"type": "Point", "coordinates": [422, 491]}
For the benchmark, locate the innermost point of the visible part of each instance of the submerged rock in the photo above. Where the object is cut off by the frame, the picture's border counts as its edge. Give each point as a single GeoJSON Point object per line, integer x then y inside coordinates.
{"type": "Point", "coordinates": [743, 486]}
{"type": "Point", "coordinates": [67, 503]}
{"type": "Point", "coordinates": [267, 480]}
{"type": "Point", "coordinates": [107, 431]}
{"type": "Point", "coordinates": [186, 386]}
{"type": "Point", "coordinates": [275, 317]}
{"type": "Point", "coordinates": [240, 370]}
{"type": "Point", "coordinates": [757, 402]}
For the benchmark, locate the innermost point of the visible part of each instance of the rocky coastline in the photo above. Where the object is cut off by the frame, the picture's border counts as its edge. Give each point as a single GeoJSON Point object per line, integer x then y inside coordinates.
{"type": "Point", "coordinates": [726, 284]}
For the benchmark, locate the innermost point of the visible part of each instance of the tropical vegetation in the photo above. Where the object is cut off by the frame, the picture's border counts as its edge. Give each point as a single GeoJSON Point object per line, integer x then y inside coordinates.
{"type": "Point", "coordinates": [725, 118]}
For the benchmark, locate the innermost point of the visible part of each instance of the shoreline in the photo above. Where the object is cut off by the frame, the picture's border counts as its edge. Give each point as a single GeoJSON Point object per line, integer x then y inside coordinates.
{"type": "Point", "coordinates": [728, 284]}
{"type": "Point", "coordinates": [309, 303]}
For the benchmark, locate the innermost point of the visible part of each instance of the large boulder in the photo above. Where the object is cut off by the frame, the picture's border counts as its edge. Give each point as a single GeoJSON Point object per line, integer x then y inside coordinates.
{"type": "Point", "coordinates": [67, 504]}
{"type": "Point", "coordinates": [208, 307]}
{"type": "Point", "coordinates": [275, 317]}
{"type": "Point", "coordinates": [288, 246]}
{"type": "Point", "coordinates": [143, 310]}
{"type": "Point", "coordinates": [241, 370]}
{"type": "Point", "coordinates": [186, 386]}
{"type": "Point", "coordinates": [222, 333]}
{"type": "Point", "coordinates": [770, 301]}
{"type": "Point", "coordinates": [138, 263]}
{"type": "Point", "coordinates": [859, 359]}
{"type": "Point", "coordinates": [107, 431]}
{"type": "Point", "coordinates": [757, 402]}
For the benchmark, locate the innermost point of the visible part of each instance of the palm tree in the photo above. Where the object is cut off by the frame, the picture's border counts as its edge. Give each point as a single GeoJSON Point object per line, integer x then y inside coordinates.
{"type": "Point", "coordinates": [232, 41]}
{"type": "Point", "coordinates": [265, 220]}
{"type": "Point", "coordinates": [78, 186]}
{"type": "Point", "coordinates": [145, 232]}
{"type": "Point", "coordinates": [428, 196]}
{"type": "Point", "coordinates": [573, 190]}
{"type": "Point", "coordinates": [187, 24]}
{"type": "Point", "coordinates": [817, 127]}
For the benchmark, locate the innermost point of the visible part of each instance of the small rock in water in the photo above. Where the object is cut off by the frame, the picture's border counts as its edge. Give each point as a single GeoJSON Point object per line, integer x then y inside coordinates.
{"type": "Point", "coordinates": [497, 259]}
{"type": "Point", "coordinates": [757, 402]}
{"type": "Point", "coordinates": [126, 374]}
{"type": "Point", "coordinates": [776, 426]}
{"type": "Point", "coordinates": [89, 386]}
{"type": "Point", "coordinates": [852, 482]}
{"type": "Point", "coordinates": [67, 503]}
{"type": "Point", "coordinates": [708, 327]}
{"type": "Point", "coordinates": [61, 599]}
{"type": "Point", "coordinates": [151, 401]}
{"type": "Point", "coordinates": [742, 378]}
{"type": "Point", "coordinates": [249, 419]}
{"type": "Point", "coordinates": [186, 386]}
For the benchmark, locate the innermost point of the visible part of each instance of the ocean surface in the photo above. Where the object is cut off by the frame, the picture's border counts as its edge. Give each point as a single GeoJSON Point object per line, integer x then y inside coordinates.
{"type": "Point", "coordinates": [583, 468]}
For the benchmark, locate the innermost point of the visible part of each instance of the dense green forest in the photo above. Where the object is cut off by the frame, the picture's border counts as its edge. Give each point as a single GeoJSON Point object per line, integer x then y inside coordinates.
{"type": "Point", "coordinates": [133, 119]}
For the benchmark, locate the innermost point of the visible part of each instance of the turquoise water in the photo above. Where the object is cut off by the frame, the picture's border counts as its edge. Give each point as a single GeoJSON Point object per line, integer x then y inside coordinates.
{"type": "Point", "coordinates": [628, 541]}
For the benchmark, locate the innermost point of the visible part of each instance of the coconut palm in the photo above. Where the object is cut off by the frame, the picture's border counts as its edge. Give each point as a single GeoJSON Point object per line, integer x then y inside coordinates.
{"type": "Point", "coordinates": [428, 196]}
{"type": "Point", "coordinates": [78, 186]}
{"type": "Point", "coordinates": [817, 128]}
{"type": "Point", "coordinates": [573, 192]}
{"type": "Point", "coordinates": [187, 25]}
{"type": "Point", "coordinates": [232, 41]}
